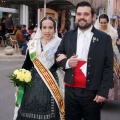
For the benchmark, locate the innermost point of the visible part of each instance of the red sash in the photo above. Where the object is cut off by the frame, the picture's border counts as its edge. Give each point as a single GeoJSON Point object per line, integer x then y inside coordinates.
{"type": "Point", "coordinates": [79, 77]}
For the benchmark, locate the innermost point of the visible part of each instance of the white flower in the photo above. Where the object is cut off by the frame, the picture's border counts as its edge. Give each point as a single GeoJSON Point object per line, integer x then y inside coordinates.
{"type": "Point", "coordinates": [95, 39]}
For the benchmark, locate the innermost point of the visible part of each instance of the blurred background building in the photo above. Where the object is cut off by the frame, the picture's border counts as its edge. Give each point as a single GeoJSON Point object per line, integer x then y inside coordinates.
{"type": "Point", "coordinates": [29, 12]}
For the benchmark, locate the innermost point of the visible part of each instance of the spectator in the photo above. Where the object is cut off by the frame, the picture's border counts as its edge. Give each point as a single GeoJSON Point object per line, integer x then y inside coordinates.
{"type": "Point", "coordinates": [118, 44]}
{"type": "Point", "coordinates": [118, 40]}
{"type": "Point", "coordinates": [25, 33]}
{"type": "Point", "coordinates": [3, 30]}
{"type": "Point", "coordinates": [9, 24]}
{"type": "Point", "coordinates": [118, 30]}
{"type": "Point", "coordinates": [33, 34]}
{"type": "Point", "coordinates": [16, 29]}
{"type": "Point", "coordinates": [63, 31]}
{"type": "Point", "coordinates": [30, 29]}
{"type": "Point", "coordinates": [20, 39]}
{"type": "Point", "coordinates": [59, 33]}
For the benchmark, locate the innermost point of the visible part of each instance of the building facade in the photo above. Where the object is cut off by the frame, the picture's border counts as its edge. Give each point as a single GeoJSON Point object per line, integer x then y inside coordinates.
{"type": "Point", "coordinates": [26, 11]}
{"type": "Point", "coordinates": [113, 11]}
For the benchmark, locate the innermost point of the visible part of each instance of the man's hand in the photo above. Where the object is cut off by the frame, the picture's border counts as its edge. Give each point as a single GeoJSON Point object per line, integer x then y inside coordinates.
{"type": "Point", "coordinates": [118, 42]}
{"type": "Point", "coordinates": [73, 61]}
{"type": "Point", "coordinates": [60, 57]}
{"type": "Point", "coordinates": [99, 99]}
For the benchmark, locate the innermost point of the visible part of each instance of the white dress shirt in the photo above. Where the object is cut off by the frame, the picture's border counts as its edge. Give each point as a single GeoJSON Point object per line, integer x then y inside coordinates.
{"type": "Point", "coordinates": [83, 45]}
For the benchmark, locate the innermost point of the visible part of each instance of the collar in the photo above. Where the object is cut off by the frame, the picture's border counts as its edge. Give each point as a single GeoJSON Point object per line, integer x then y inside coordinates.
{"type": "Point", "coordinates": [87, 33]}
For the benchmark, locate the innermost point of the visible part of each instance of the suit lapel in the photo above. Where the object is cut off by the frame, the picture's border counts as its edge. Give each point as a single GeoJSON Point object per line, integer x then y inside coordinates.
{"type": "Point", "coordinates": [73, 41]}
{"type": "Point", "coordinates": [95, 40]}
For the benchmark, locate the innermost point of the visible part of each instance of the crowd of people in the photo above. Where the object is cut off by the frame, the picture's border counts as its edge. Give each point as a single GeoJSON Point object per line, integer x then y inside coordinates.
{"type": "Point", "coordinates": [87, 57]}
{"type": "Point", "coordinates": [7, 28]}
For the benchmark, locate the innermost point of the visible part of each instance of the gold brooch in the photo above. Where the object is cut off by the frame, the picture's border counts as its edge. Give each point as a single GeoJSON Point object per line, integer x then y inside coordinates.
{"type": "Point", "coordinates": [42, 54]}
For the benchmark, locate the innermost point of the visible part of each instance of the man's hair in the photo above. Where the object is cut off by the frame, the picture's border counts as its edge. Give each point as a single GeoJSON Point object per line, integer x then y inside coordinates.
{"type": "Point", "coordinates": [24, 26]}
{"type": "Point", "coordinates": [85, 4]}
{"type": "Point", "coordinates": [2, 19]}
{"type": "Point", "coordinates": [9, 15]}
{"type": "Point", "coordinates": [19, 27]}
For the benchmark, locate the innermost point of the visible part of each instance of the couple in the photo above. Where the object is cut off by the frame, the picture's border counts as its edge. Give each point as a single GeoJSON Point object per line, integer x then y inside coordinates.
{"type": "Point", "coordinates": [86, 56]}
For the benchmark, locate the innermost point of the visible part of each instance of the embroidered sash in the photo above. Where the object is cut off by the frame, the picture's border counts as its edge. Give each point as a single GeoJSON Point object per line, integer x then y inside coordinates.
{"type": "Point", "coordinates": [47, 77]}
{"type": "Point", "coordinates": [116, 68]}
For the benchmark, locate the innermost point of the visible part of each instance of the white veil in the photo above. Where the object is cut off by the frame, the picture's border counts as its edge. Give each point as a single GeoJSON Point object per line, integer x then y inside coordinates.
{"type": "Point", "coordinates": [59, 71]}
{"type": "Point", "coordinates": [110, 30]}
{"type": "Point", "coordinates": [38, 33]}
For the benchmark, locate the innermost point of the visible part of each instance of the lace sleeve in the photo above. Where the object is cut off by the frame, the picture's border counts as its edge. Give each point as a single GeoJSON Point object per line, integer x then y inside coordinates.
{"type": "Point", "coordinates": [61, 74]}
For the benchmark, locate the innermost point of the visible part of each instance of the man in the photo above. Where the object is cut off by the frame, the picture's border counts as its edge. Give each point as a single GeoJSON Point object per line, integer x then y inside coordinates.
{"type": "Point", "coordinates": [20, 39]}
{"type": "Point", "coordinates": [88, 66]}
{"type": "Point", "coordinates": [118, 30]}
{"type": "Point", "coordinates": [3, 31]}
{"type": "Point", "coordinates": [118, 40]}
{"type": "Point", "coordinates": [25, 33]}
{"type": "Point", "coordinates": [9, 24]}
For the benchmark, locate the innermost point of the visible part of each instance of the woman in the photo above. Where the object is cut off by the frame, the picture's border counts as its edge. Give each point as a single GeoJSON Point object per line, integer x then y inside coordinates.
{"type": "Point", "coordinates": [33, 34]}
{"type": "Point", "coordinates": [103, 23]}
{"type": "Point", "coordinates": [42, 100]}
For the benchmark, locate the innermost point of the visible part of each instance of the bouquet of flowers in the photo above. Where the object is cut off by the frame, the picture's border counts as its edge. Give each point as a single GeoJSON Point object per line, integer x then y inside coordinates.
{"type": "Point", "coordinates": [21, 78]}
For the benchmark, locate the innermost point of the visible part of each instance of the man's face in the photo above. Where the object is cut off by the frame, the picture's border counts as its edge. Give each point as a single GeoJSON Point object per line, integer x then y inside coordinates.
{"type": "Point", "coordinates": [22, 29]}
{"type": "Point", "coordinates": [11, 16]}
{"type": "Point", "coordinates": [84, 18]}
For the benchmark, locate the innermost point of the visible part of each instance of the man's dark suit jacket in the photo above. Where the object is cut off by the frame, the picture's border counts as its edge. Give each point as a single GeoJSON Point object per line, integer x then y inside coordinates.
{"type": "Point", "coordinates": [99, 63]}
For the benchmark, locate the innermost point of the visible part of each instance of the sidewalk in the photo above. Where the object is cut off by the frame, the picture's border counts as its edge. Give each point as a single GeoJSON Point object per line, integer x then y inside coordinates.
{"type": "Point", "coordinates": [16, 55]}
{"type": "Point", "coordinates": [111, 110]}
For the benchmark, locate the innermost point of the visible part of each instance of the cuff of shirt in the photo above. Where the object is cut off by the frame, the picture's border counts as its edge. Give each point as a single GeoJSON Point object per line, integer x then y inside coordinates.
{"type": "Point", "coordinates": [67, 66]}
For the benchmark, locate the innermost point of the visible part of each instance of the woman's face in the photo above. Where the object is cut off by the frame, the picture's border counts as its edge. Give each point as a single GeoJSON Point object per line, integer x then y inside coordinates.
{"type": "Point", "coordinates": [103, 23]}
{"type": "Point", "coordinates": [47, 29]}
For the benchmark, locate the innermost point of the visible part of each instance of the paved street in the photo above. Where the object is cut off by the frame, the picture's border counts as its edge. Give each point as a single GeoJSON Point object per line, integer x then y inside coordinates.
{"type": "Point", "coordinates": [110, 111]}
{"type": "Point", "coordinates": [7, 89]}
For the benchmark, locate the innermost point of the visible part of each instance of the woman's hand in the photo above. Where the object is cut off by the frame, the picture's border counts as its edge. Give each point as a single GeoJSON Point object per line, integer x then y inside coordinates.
{"type": "Point", "coordinates": [17, 90]}
{"type": "Point", "coordinates": [61, 57]}
{"type": "Point", "coordinates": [118, 42]}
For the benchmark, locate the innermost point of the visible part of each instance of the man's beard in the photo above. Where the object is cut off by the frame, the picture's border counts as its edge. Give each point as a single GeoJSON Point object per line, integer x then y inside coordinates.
{"type": "Point", "coordinates": [84, 27]}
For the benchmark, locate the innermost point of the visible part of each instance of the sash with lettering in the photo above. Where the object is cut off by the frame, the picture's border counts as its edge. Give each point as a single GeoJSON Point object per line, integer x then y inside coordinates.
{"type": "Point", "coordinates": [46, 75]}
